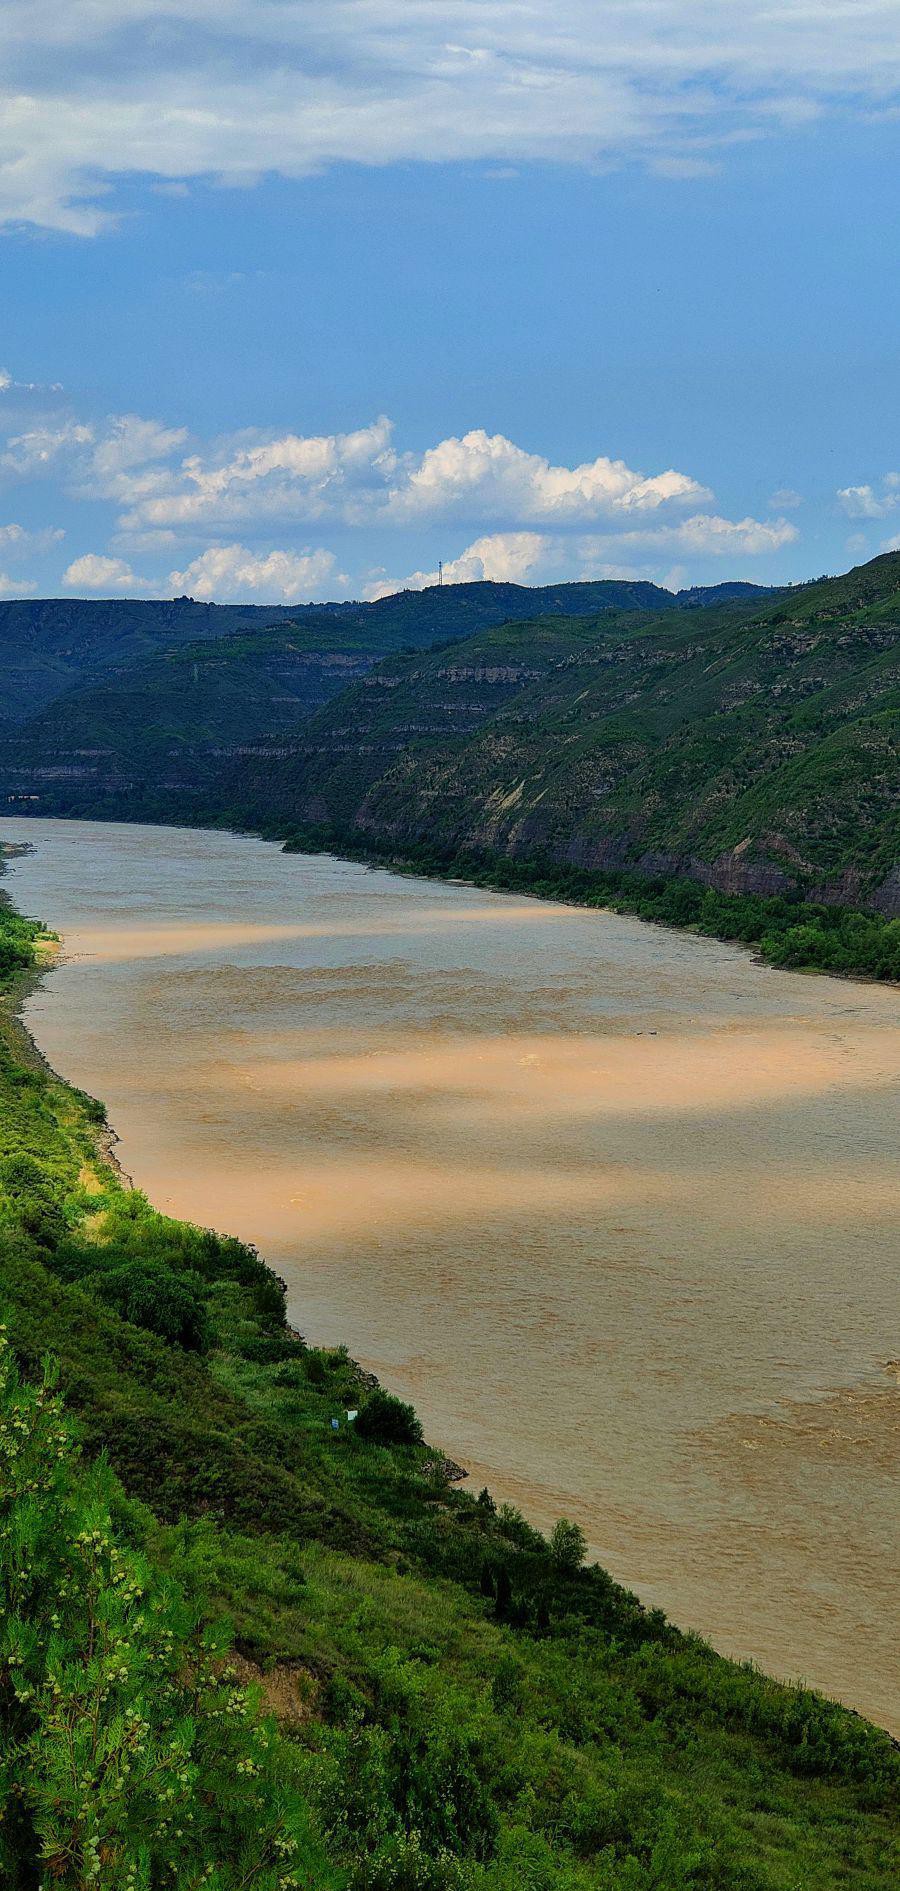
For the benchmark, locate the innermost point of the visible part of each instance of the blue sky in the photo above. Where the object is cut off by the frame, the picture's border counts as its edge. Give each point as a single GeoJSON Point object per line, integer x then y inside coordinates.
{"type": "Point", "coordinates": [296, 299]}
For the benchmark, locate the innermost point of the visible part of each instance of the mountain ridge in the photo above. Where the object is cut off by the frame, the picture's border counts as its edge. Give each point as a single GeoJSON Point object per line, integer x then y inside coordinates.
{"type": "Point", "coordinates": [748, 741]}
{"type": "Point", "coordinates": [49, 644]}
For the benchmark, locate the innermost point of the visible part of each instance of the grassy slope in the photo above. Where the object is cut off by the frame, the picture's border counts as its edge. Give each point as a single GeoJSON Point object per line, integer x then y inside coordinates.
{"type": "Point", "coordinates": [557, 1736]}
{"type": "Point", "coordinates": [771, 729]}
{"type": "Point", "coordinates": [48, 645]}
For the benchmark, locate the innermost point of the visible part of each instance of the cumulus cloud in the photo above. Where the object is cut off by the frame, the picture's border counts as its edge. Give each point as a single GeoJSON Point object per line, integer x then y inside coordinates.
{"type": "Point", "coordinates": [100, 576]}
{"type": "Point", "coordinates": [539, 557]}
{"type": "Point", "coordinates": [519, 515]}
{"type": "Point", "coordinates": [491, 476]}
{"type": "Point", "coordinates": [130, 442]}
{"type": "Point", "coordinates": [359, 477]}
{"type": "Point", "coordinates": [44, 448]}
{"type": "Point", "coordinates": [503, 557]}
{"type": "Point", "coordinates": [308, 476]}
{"type": "Point", "coordinates": [16, 542]}
{"type": "Point", "coordinates": [863, 502]}
{"type": "Point", "coordinates": [239, 88]}
{"type": "Point", "coordinates": [234, 572]}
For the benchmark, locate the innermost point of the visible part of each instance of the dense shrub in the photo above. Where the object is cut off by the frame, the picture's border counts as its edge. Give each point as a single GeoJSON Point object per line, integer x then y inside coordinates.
{"type": "Point", "coordinates": [568, 1547]}
{"type": "Point", "coordinates": [154, 1296]}
{"type": "Point", "coordinates": [33, 1201]}
{"type": "Point", "coordinates": [386, 1420]}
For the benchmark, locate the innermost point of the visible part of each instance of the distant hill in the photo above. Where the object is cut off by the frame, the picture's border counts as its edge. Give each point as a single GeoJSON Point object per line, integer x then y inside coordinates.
{"type": "Point", "coordinates": [744, 738]}
{"type": "Point", "coordinates": [141, 702]}
{"type": "Point", "coordinates": [47, 645]}
{"type": "Point", "coordinates": [755, 746]}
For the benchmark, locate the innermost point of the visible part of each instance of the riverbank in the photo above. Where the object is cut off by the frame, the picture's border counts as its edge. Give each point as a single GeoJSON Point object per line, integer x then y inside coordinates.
{"type": "Point", "coordinates": [782, 930]}
{"type": "Point", "coordinates": [472, 1130]}
{"type": "Point", "coordinates": [792, 934]}
{"type": "Point", "coordinates": [327, 1550]}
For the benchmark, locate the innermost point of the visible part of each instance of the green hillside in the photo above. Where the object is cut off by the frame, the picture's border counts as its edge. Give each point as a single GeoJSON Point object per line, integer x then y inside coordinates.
{"type": "Point", "coordinates": [459, 1704]}
{"type": "Point", "coordinates": [743, 741]}
{"type": "Point", "coordinates": [50, 645]}
{"type": "Point", "coordinates": [754, 747]}
{"type": "Point", "coordinates": [47, 645]}
{"type": "Point", "coordinates": [168, 725]}
{"type": "Point", "coordinates": [167, 695]}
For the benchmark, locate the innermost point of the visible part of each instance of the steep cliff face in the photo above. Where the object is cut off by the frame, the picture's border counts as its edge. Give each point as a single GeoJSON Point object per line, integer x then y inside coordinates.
{"type": "Point", "coordinates": [755, 749]}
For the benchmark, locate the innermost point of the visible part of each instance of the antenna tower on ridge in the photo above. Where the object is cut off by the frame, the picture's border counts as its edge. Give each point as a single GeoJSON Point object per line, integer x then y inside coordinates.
{"type": "Point", "coordinates": [440, 571]}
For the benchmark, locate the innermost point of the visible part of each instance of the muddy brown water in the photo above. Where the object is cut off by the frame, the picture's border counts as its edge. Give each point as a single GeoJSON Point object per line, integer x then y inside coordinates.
{"type": "Point", "coordinates": [616, 1207]}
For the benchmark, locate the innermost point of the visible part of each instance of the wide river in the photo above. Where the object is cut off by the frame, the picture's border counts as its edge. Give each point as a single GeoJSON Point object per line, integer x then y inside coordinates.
{"type": "Point", "coordinates": [616, 1207]}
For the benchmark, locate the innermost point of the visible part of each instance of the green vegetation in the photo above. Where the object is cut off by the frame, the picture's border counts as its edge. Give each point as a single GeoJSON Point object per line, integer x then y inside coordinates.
{"type": "Point", "coordinates": [129, 1755]}
{"type": "Point", "coordinates": [743, 742]}
{"type": "Point", "coordinates": [459, 1704]}
{"type": "Point", "coordinates": [49, 646]}
{"type": "Point", "coordinates": [753, 747]}
{"type": "Point", "coordinates": [796, 933]}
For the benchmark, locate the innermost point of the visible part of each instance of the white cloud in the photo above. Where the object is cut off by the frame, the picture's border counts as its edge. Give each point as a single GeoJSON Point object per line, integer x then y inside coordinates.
{"type": "Point", "coordinates": [704, 534]}
{"type": "Point", "coordinates": [130, 442]}
{"type": "Point", "coordinates": [503, 557]}
{"type": "Point", "coordinates": [356, 478]}
{"type": "Point", "coordinates": [232, 89]}
{"type": "Point", "coordinates": [786, 499]}
{"type": "Point", "coordinates": [538, 558]}
{"type": "Point", "coordinates": [16, 587]}
{"type": "Point", "coordinates": [44, 448]}
{"type": "Point", "coordinates": [15, 542]}
{"type": "Point", "coordinates": [308, 476]}
{"type": "Point", "coordinates": [860, 502]}
{"type": "Point", "coordinates": [863, 502]}
{"type": "Point", "coordinates": [488, 475]}
{"type": "Point", "coordinates": [232, 571]}
{"type": "Point", "coordinates": [519, 515]}
{"type": "Point", "coordinates": [103, 577]}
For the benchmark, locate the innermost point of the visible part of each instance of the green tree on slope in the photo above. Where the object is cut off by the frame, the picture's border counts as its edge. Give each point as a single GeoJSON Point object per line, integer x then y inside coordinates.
{"type": "Point", "coordinates": [129, 1759]}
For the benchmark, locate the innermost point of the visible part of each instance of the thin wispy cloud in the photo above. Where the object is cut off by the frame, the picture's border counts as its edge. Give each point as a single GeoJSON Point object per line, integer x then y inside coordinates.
{"type": "Point", "coordinates": [240, 88]}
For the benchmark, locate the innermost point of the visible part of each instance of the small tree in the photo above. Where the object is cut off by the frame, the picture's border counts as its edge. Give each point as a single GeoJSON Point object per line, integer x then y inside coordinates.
{"type": "Point", "coordinates": [568, 1546]}
{"type": "Point", "coordinates": [129, 1757]}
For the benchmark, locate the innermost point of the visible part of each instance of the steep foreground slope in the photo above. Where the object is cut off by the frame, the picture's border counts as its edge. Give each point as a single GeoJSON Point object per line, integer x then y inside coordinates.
{"type": "Point", "coordinates": [754, 748]}
{"type": "Point", "coordinates": [459, 1705]}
